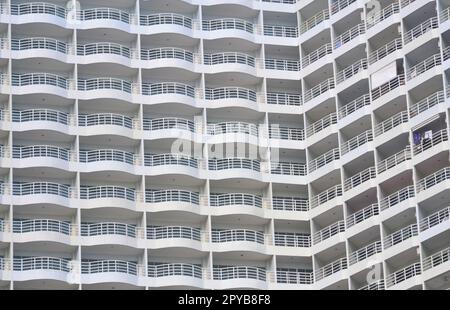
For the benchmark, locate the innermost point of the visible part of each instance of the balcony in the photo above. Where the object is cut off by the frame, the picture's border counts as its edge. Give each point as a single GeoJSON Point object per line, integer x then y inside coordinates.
{"type": "Point", "coordinates": [339, 5]}
{"type": "Point", "coordinates": [400, 235]}
{"type": "Point", "coordinates": [385, 50]}
{"type": "Point", "coordinates": [41, 188]}
{"type": "Point", "coordinates": [107, 191]}
{"type": "Point", "coordinates": [314, 56]}
{"type": "Point", "coordinates": [166, 53]}
{"type": "Point", "coordinates": [280, 31]}
{"type": "Point", "coordinates": [403, 274]}
{"type": "Point", "coordinates": [156, 124]}
{"type": "Point", "coordinates": [420, 30]}
{"type": "Point", "coordinates": [424, 66]}
{"type": "Point", "coordinates": [284, 99]}
{"type": "Point", "coordinates": [89, 266]}
{"type": "Point", "coordinates": [364, 253]}
{"type": "Point", "coordinates": [234, 163]}
{"type": "Point", "coordinates": [360, 178]}
{"type": "Point", "coordinates": [314, 20]}
{"type": "Point", "coordinates": [349, 35]}
{"type": "Point", "coordinates": [426, 103]}
{"type": "Point", "coordinates": [232, 127]}
{"type": "Point", "coordinates": [330, 269]}
{"type": "Point", "coordinates": [105, 84]}
{"type": "Point", "coordinates": [354, 106]}
{"type": "Point", "coordinates": [239, 272]}
{"type": "Point", "coordinates": [230, 93]}
{"type": "Point", "coordinates": [319, 89]}
{"type": "Point", "coordinates": [40, 43]}
{"type": "Point", "coordinates": [41, 225]}
{"type": "Point", "coordinates": [290, 204]}
{"type": "Point", "coordinates": [323, 160]}
{"type": "Point", "coordinates": [435, 219]}
{"type": "Point", "coordinates": [286, 133]}
{"type": "Point", "coordinates": [166, 19]}
{"type": "Point", "coordinates": [436, 259]}
{"type": "Point", "coordinates": [40, 115]}
{"type": "Point", "coordinates": [397, 197]}
{"type": "Point", "coordinates": [104, 48]}
{"type": "Point", "coordinates": [294, 276]}
{"type": "Point", "coordinates": [104, 13]}
{"type": "Point", "coordinates": [173, 232]}
{"type": "Point", "coordinates": [156, 160]}
{"type": "Point", "coordinates": [108, 228]}
{"type": "Point", "coordinates": [328, 232]}
{"type": "Point", "coordinates": [155, 89]}
{"type": "Point", "coordinates": [38, 8]}
{"type": "Point", "coordinates": [162, 196]}
{"type": "Point", "coordinates": [385, 13]}
{"type": "Point", "coordinates": [325, 122]}
{"type": "Point", "coordinates": [394, 160]}
{"type": "Point", "coordinates": [41, 263]}
{"type": "Point", "coordinates": [159, 270]}
{"type": "Point", "coordinates": [392, 122]}
{"type": "Point", "coordinates": [325, 196]}
{"type": "Point", "coordinates": [351, 70]}
{"type": "Point", "coordinates": [362, 215]}
{"type": "Point", "coordinates": [102, 119]}
{"type": "Point", "coordinates": [357, 141]}
{"type": "Point", "coordinates": [235, 199]}
{"type": "Point", "coordinates": [288, 168]}
{"type": "Point", "coordinates": [30, 79]}
{"type": "Point", "coordinates": [388, 87]}
{"type": "Point", "coordinates": [374, 286]}
{"type": "Point", "coordinates": [428, 182]}
{"type": "Point", "coordinates": [228, 23]}
{"type": "Point", "coordinates": [94, 156]}
{"type": "Point", "coordinates": [298, 240]}
{"type": "Point", "coordinates": [33, 151]}
{"type": "Point", "coordinates": [229, 58]}
{"type": "Point", "coordinates": [282, 65]}
{"type": "Point", "coordinates": [237, 235]}
{"type": "Point", "coordinates": [436, 138]}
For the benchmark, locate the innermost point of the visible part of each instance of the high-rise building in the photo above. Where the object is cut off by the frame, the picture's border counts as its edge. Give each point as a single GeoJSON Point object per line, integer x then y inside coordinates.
{"type": "Point", "coordinates": [216, 144]}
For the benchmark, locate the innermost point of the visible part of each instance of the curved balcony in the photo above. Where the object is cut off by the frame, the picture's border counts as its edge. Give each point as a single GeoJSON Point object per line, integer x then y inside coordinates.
{"type": "Point", "coordinates": [374, 286]}
{"type": "Point", "coordinates": [42, 192]}
{"type": "Point", "coordinates": [436, 138]}
{"type": "Point", "coordinates": [38, 268]}
{"type": "Point", "coordinates": [169, 92]}
{"type": "Point", "coordinates": [47, 155]}
{"type": "Point", "coordinates": [105, 87]}
{"type": "Point", "coordinates": [240, 276]}
{"type": "Point", "coordinates": [394, 160]}
{"type": "Point", "coordinates": [224, 240]}
{"type": "Point", "coordinates": [44, 12]}
{"type": "Point", "coordinates": [173, 232]}
{"type": "Point", "coordinates": [282, 64]}
{"type": "Point", "coordinates": [107, 195]}
{"type": "Point", "coordinates": [169, 274]}
{"type": "Point", "coordinates": [222, 62]}
{"type": "Point", "coordinates": [172, 199]}
{"type": "Point", "coordinates": [105, 123]}
{"type": "Point", "coordinates": [26, 48]}
{"type": "Point", "coordinates": [107, 159]}
{"type": "Point", "coordinates": [36, 116]}
{"type": "Point", "coordinates": [383, 14]}
{"type": "Point", "coordinates": [167, 53]}
{"type": "Point", "coordinates": [288, 168]}
{"type": "Point", "coordinates": [163, 163]}
{"type": "Point", "coordinates": [41, 83]}
{"type": "Point", "coordinates": [100, 15]}
{"type": "Point", "coordinates": [430, 181]}
{"type": "Point", "coordinates": [167, 23]}
{"type": "Point", "coordinates": [235, 203]}
{"type": "Point", "coordinates": [233, 132]}
{"type": "Point", "coordinates": [120, 231]}
{"type": "Point", "coordinates": [339, 5]}
{"type": "Point", "coordinates": [218, 28]}
{"type": "Point", "coordinates": [231, 96]}
{"type": "Point", "coordinates": [28, 230]}
{"type": "Point", "coordinates": [101, 271]}
{"type": "Point", "coordinates": [116, 53]}
{"type": "Point", "coordinates": [234, 168]}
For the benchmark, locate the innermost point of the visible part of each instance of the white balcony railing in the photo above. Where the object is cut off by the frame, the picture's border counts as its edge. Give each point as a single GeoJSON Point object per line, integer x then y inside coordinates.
{"type": "Point", "coordinates": [108, 228]}
{"type": "Point", "coordinates": [420, 29]}
{"type": "Point", "coordinates": [392, 122]}
{"type": "Point", "coordinates": [436, 138]}
{"type": "Point", "coordinates": [286, 133]}
{"type": "Point", "coordinates": [282, 64]}
{"type": "Point", "coordinates": [105, 83]}
{"type": "Point", "coordinates": [232, 127]}
{"type": "Point", "coordinates": [435, 219]}
{"type": "Point", "coordinates": [436, 259]}
{"type": "Point", "coordinates": [294, 276]}
{"type": "Point", "coordinates": [230, 93]}
{"type": "Point", "coordinates": [351, 70]}
{"type": "Point", "coordinates": [155, 160]}
{"type": "Point", "coordinates": [280, 31]}
{"type": "Point", "coordinates": [319, 53]}
{"type": "Point", "coordinates": [107, 191]}
{"type": "Point", "coordinates": [397, 197]}
{"type": "Point", "coordinates": [422, 67]}
{"type": "Point", "coordinates": [39, 43]}
{"type": "Point", "coordinates": [41, 263]}
{"type": "Point", "coordinates": [385, 50]}
{"type": "Point", "coordinates": [426, 103]}
{"type": "Point", "coordinates": [362, 215]}
{"type": "Point", "coordinates": [239, 272]}
{"type": "Point", "coordinates": [166, 19]}
{"type": "Point", "coordinates": [237, 235]}
{"type": "Point", "coordinates": [331, 268]}
{"type": "Point", "coordinates": [173, 232]}
{"type": "Point", "coordinates": [319, 89]}
{"type": "Point", "coordinates": [92, 156]}
{"type": "Point", "coordinates": [168, 123]}
{"type": "Point", "coordinates": [400, 235]}
{"type": "Point", "coordinates": [324, 159]}
{"type": "Point", "coordinates": [357, 141]}
{"type": "Point", "coordinates": [354, 105]}
{"type": "Point", "coordinates": [374, 286]}
{"type": "Point", "coordinates": [383, 14]}
{"type": "Point", "coordinates": [158, 270]}
{"type": "Point", "coordinates": [433, 179]}
{"type": "Point", "coordinates": [288, 168]}
{"type": "Point", "coordinates": [171, 195]}
{"type": "Point", "coordinates": [41, 225]}
{"type": "Point", "coordinates": [104, 13]}
{"type": "Point", "coordinates": [290, 204]}
{"type": "Point", "coordinates": [284, 99]}
{"type": "Point", "coordinates": [388, 87]}
{"type": "Point", "coordinates": [234, 163]}
{"type": "Point", "coordinates": [324, 122]}
{"type": "Point", "coordinates": [300, 240]}
{"type": "Point", "coordinates": [235, 199]}
{"type": "Point", "coordinates": [41, 151]}
{"type": "Point", "coordinates": [314, 20]}
{"type": "Point", "coordinates": [349, 35]}
{"type": "Point", "coordinates": [444, 15]}
{"type": "Point", "coordinates": [339, 5]}
{"type": "Point", "coordinates": [228, 58]}
{"type": "Point", "coordinates": [153, 89]}
{"type": "Point", "coordinates": [365, 252]}
{"type": "Point", "coordinates": [166, 53]}
{"type": "Point", "coordinates": [360, 178]}
{"type": "Point", "coordinates": [29, 79]}
{"type": "Point", "coordinates": [328, 232]}
{"type": "Point", "coordinates": [403, 274]}
{"type": "Point", "coordinates": [41, 188]}
{"type": "Point", "coordinates": [86, 120]}
{"type": "Point", "coordinates": [38, 8]}
{"type": "Point", "coordinates": [394, 160]}
{"type": "Point", "coordinates": [326, 195]}
{"type": "Point", "coordinates": [228, 23]}
{"type": "Point", "coordinates": [108, 266]}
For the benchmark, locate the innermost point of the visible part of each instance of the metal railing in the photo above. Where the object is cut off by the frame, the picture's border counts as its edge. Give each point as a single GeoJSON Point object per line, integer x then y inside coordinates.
{"type": "Point", "coordinates": [237, 235]}
{"type": "Point", "coordinates": [39, 43]}
{"type": "Point", "coordinates": [365, 252]}
{"type": "Point", "coordinates": [358, 179]}
{"type": "Point", "coordinates": [104, 83]}
{"type": "Point", "coordinates": [444, 15]}
{"type": "Point", "coordinates": [436, 259]}
{"type": "Point", "coordinates": [40, 151]}
{"type": "Point", "coordinates": [21, 226]}
{"type": "Point", "coordinates": [323, 160]}
{"type": "Point", "coordinates": [282, 64]}
{"type": "Point", "coordinates": [290, 204]}
{"type": "Point", "coordinates": [234, 199]}
{"type": "Point", "coordinates": [397, 197]}
{"type": "Point", "coordinates": [41, 188]}
{"type": "Point", "coordinates": [173, 232]}
{"type": "Point", "coordinates": [19, 116]}
{"type": "Point", "coordinates": [357, 141]}
{"type": "Point", "coordinates": [351, 70]}
{"type": "Point", "coordinates": [234, 163]}
{"type": "Point", "coordinates": [41, 263]}
{"type": "Point", "coordinates": [435, 219]}
{"type": "Point", "coordinates": [328, 232]}
{"type": "Point", "coordinates": [349, 35]}
{"type": "Point", "coordinates": [153, 89]}
{"type": "Point", "coordinates": [85, 120]}
{"type": "Point", "coordinates": [294, 276]}
{"type": "Point", "coordinates": [91, 156]}
{"type": "Point", "coordinates": [107, 191]}
{"type": "Point", "coordinates": [319, 89]}
{"type": "Point", "coordinates": [362, 215]}
{"type": "Point", "coordinates": [284, 99]}
{"type": "Point", "coordinates": [422, 67]}
{"type": "Point", "coordinates": [321, 124]}
{"type": "Point", "coordinates": [103, 48]}
{"type": "Point", "coordinates": [168, 123]}
{"type": "Point", "coordinates": [321, 52]}
{"type": "Point", "coordinates": [167, 53]}
{"type": "Point", "coordinates": [27, 79]}
{"type": "Point", "coordinates": [403, 274]}
{"type": "Point", "coordinates": [239, 272]}
{"type": "Point", "coordinates": [287, 239]}
{"type": "Point", "coordinates": [394, 160]}
{"type": "Point", "coordinates": [38, 8]}
{"type": "Point", "coordinates": [228, 23]}
{"type": "Point", "coordinates": [286, 133]}
{"type": "Point", "coordinates": [314, 20]}
{"type": "Point", "coordinates": [232, 127]}
{"type": "Point", "coordinates": [436, 138]}
{"type": "Point", "coordinates": [354, 105]}
{"type": "Point", "coordinates": [339, 5]}
{"type": "Point", "coordinates": [166, 19]}
{"type": "Point", "coordinates": [400, 235]}
{"type": "Point", "coordinates": [385, 50]}
{"type": "Point", "coordinates": [288, 168]}
{"type": "Point", "coordinates": [173, 195]}
{"type": "Point", "coordinates": [420, 29]}
{"type": "Point", "coordinates": [388, 86]}
{"type": "Point", "coordinates": [154, 160]}
{"type": "Point", "coordinates": [383, 14]}
{"type": "Point", "coordinates": [374, 286]}
{"type": "Point", "coordinates": [326, 195]}
{"type": "Point", "coordinates": [426, 103]}
{"type": "Point", "coordinates": [157, 270]}
{"type": "Point", "coordinates": [89, 266]}
{"type": "Point", "coordinates": [392, 122]}
{"type": "Point", "coordinates": [280, 31]}
{"type": "Point", "coordinates": [433, 179]}
{"type": "Point", "coordinates": [228, 58]}
{"type": "Point", "coordinates": [230, 93]}
{"type": "Point", "coordinates": [331, 268]}
{"type": "Point", "coordinates": [108, 228]}
{"type": "Point", "coordinates": [104, 13]}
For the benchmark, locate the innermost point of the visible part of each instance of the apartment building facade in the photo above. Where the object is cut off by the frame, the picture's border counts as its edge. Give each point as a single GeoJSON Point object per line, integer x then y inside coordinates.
{"type": "Point", "coordinates": [212, 144]}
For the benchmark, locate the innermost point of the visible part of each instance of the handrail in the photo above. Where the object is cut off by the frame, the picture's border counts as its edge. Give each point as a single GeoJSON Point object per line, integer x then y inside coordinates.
{"type": "Point", "coordinates": [38, 8]}
{"type": "Point", "coordinates": [41, 263]}
{"type": "Point", "coordinates": [349, 35]}
{"type": "Point", "coordinates": [392, 122]}
{"type": "Point", "coordinates": [365, 252]}
{"type": "Point", "coordinates": [436, 138]}
{"type": "Point", "coordinates": [40, 151]}
{"type": "Point", "coordinates": [433, 179]}
{"type": "Point", "coordinates": [41, 188]}
{"type": "Point", "coordinates": [104, 83]}
{"type": "Point", "coordinates": [284, 99]}
{"type": "Point", "coordinates": [294, 276]}
{"type": "Point", "coordinates": [444, 15]}
{"type": "Point", "coordinates": [331, 268]}
{"type": "Point", "coordinates": [374, 286]}
{"type": "Point", "coordinates": [91, 266]}
{"type": "Point", "coordinates": [319, 89]}
{"type": "Point", "coordinates": [172, 232]}
{"type": "Point", "coordinates": [157, 270]}
{"type": "Point", "coordinates": [228, 23]}
{"type": "Point", "coordinates": [422, 67]}
{"type": "Point", "coordinates": [420, 29]}
{"type": "Point", "coordinates": [282, 64]}
{"type": "Point", "coordinates": [328, 232]}
{"type": "Point", "coordinates": [103, 48]}
{"type": "Point", "coordinates": [286, 133]}
{"type": "Point", "coordinates": [403, 274]}
{"type": "Point", "coordinates": [436, 259]}
{"type": "Point", "coordinates": [288, 168]}
{"type": "Point", "coordinates": [228, 58]}
{"type": "Point", "coordinates": [321, 124]}
{"type": "Point", "coordinates": [354, 105]}
{"type": "Point", "coordinates": [86, 120]}
{"type": "Point", "coordinates": [351, 70]}
{"type": "Point", "coordinates": [357, 141]}
{"type": "Point", "coordinates": [397, 197]}
{"type": "Point", "coordinates": [166, 19]}
{"type": "Point", "coordinates": [287, 239]}
{"type": "Point", "coordinates": [280, 31]}
{"type": "Point", "coordinates": [236, 235]}
{"type": "Point", "coordinates": [91, 156]}
{"type": "Point", "coordinates": [108, 228]}
{"type": "Point", "coordinates": [314, 20]}
{"type": "Point", "coordinates": [172, 195]}
{"type": "Point", "coordinates": [230, 93]}
{"type": "Point", "coordinates": [39, 43]}
{"type": "Point", "coordinates": [166, 53]}
{"type": "Point", "coordinates": [239, 272]}
{"type": "Point", "coordinates": [232, 127]}
{"type": "Point", "coordinates": [434, 219]}
{"type": "Point", "coordinates": [315, 55]}
{"type": "Point", "coordinates": [426, 103]}
{"type": "Point", "coordinates": [154, 160]}
{"type": "Point", "coordinates": [326, 195]}
{"type": "Point", "coordinates": [394, 160]}
{"type": "Point", "coordinates": [231, 199]}
{"type": "Point", "coordinates": [22, 226]}
{"type": "Point", "coordinates": [168, 123]}
{"type": "Point", "coordinates": [152, 89]}
{"type": "Point", "coordinates": [388, 86]}
{"type": "Point", "coordinates": [104, 13]}
{"type": "Point", "coordinates": [107, 191]}
{"type": "Point", "coordinates": [323, 159]}
{"type": "Point", "coordinates": [385, 50]}
{"type": "Point", "coordinates": [360, 178]}
{"type": "Point", "coordinates": [290, 204]}
{"type": "Point", "coordinates": [27, 79]}
{"type": "Point", "coordinates": [234, 163]}
{"type": "Point", "coordinates": [383, 14]}
{"type": "Point", "coordinates": [400, 235]}
{"type": "Point", "coordinates": [362, 215]}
